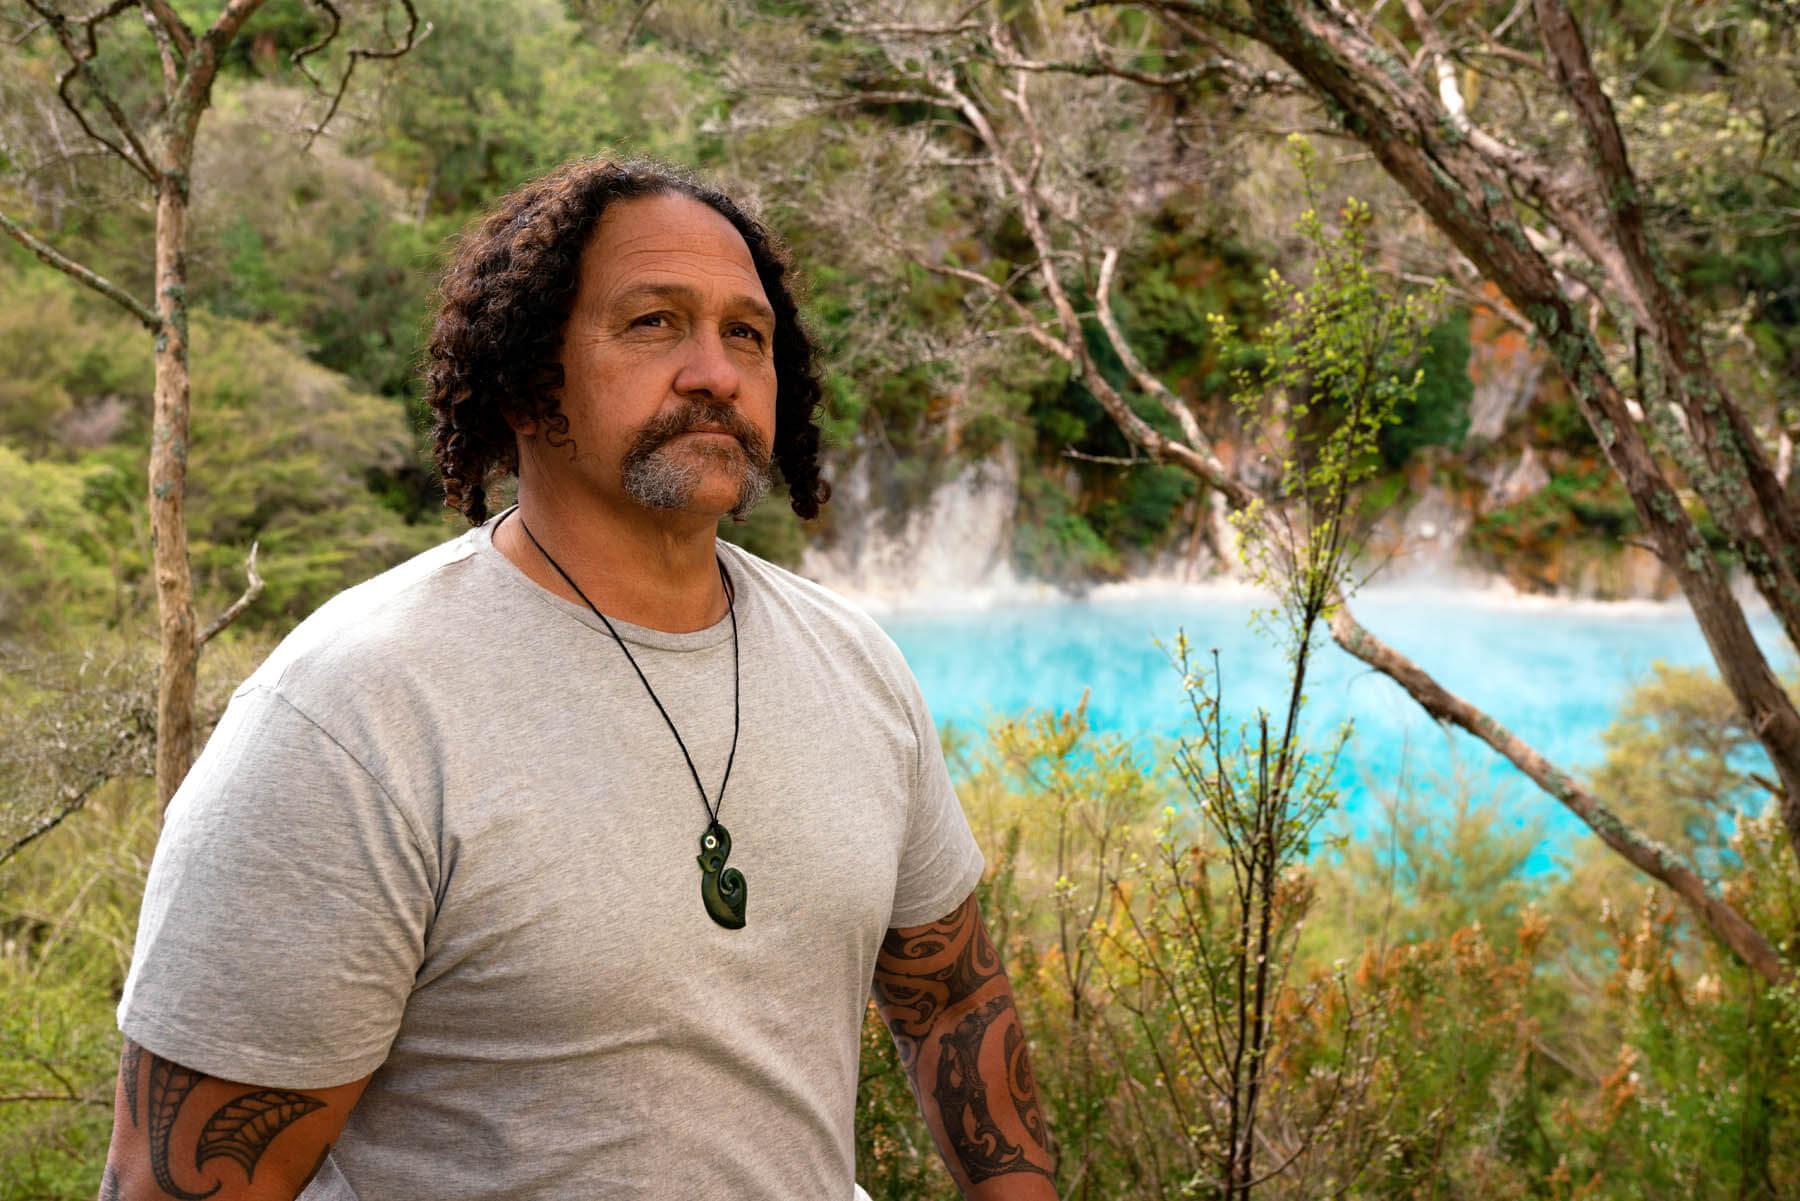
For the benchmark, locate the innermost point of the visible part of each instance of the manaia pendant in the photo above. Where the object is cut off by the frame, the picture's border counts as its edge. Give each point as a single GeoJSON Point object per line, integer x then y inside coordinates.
{"type": "Point", "coordinates": [722, 888]}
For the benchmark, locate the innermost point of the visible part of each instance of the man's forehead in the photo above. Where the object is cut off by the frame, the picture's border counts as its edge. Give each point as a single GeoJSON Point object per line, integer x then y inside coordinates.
{"type": "Point", "coordinates": [667, 241]}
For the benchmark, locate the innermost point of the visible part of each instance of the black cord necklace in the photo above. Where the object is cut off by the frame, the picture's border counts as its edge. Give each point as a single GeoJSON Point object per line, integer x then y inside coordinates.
{"type": "Point", "coordinates": [722, 889]}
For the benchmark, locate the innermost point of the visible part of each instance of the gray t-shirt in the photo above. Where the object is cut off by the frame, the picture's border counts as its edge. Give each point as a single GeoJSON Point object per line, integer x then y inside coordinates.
{"type": "Point", "coordinates": [443, 835]}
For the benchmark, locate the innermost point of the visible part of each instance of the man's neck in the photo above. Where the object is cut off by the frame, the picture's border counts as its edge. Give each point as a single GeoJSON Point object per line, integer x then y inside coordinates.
{"type": "Point", "coordinates": [650, 569]}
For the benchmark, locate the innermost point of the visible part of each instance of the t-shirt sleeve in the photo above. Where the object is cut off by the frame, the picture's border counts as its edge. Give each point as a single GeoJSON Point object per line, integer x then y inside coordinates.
{"type": "Point", "coordinates": [285, 915]}
{"type": "Point", "coordinates": [941, 862]}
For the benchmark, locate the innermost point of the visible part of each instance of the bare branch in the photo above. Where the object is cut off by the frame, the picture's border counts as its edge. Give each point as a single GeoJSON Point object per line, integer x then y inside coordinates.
{"type": "Point", "coordinates": [24, 35]}
{"type": "Point", "coordinates": [1029, 322]}
{"type": "Point", "coordinates": [1146, 382]}
{"type": "Point", "coordinates": [252, 590]}
{"type": "Point", "coordinates": [1069, 452]}
{"type": "Point", "coordinates": [80, 59]}
{"type": "Point", "coordinates": [1103, 64]}
{"type": "Point", "coordinates": [1647, 855]}
{"type": "Point", "coordinates": [71, 802]}
{"type": "Point", "coordinates": [68, 266]}
{"type": "Point", "coordinates": [65, 1098]}
{"type": "Point", "coordinates": [165, 50]}
{"type": "Point", "coordinates": [172, 24]}
{"type": "Point", "coordinates": [1469, 296]}
{"type": "Point", "coordinates": [412, 37]}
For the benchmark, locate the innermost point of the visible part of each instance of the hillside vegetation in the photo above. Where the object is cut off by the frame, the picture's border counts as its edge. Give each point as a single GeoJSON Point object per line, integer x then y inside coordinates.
{"type": "Point", "coordinates": [1451, 1023]}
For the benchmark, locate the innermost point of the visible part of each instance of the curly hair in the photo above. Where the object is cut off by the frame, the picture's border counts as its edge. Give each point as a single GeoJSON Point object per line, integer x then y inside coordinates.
{"type": "Point", "coordinates": [504, 304]}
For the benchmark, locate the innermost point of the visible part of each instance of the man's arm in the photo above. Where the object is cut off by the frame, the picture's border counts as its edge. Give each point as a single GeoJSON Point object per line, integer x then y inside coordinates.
{"type": "Point", "coordinates": [183, 1136]}
{"type": "Point", "coordinates": [943, 993]}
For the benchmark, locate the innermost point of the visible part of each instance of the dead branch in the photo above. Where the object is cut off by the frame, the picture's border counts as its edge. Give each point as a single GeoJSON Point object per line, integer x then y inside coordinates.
{"type": "Point", "coordinates": [412, 37]}
{"type": "Point", "coordinates": [1069, 452]}
{"type": "Point", "coordinates": [1103, 65]}
{"type": "Point", "coordinates": [1028, 322]}
{"type": "Point", "coordinates": [165, 52]}
{"type": "Point", "coordinates": [1647, 855]}
{"type": "Point", "coordinates": [72, 801]}
{"type": "Point", "coordinates": [1147, 383]}
{"type": "Point", "coordinates": [171, 23]}
{"type": "Point", "coordinates": [81, 52]}
{"type": "Point", "coordinates": [252, 590]}
{"type": "Point", "coordinates": [68, 266]}
{"type": "Point", "coordinates": [65, 1098]}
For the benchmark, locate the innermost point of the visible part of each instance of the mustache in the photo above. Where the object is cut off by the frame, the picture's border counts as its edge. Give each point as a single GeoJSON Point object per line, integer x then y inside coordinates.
{"type": "Point", "coordinates": [697, 415]}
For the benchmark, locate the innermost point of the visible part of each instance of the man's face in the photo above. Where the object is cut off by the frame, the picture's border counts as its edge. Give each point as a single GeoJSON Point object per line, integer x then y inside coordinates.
{"type": "Point", "coordinates": [668, 364]}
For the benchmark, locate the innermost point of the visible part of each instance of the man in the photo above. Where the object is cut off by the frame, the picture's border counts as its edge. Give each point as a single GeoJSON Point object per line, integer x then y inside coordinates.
{"type": "Point", "coordinates": [558, 861]}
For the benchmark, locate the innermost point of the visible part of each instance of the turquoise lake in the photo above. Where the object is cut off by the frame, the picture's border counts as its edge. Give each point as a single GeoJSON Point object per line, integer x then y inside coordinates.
{"type": "Point", "coordinates": [1554, 672]}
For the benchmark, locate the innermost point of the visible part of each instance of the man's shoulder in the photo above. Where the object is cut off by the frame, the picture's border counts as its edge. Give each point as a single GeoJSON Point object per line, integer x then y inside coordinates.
{"type": "Point", "coordinates": [376, 628]}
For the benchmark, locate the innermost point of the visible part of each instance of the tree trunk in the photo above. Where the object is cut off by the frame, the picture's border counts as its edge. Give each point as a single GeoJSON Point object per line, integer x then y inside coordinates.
{"type": "Point", "coordinates": [168, 488]}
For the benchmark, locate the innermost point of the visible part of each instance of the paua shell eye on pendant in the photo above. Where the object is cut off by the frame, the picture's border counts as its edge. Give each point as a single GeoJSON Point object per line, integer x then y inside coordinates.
{"type": "Point", "coordinates": [722, 888]}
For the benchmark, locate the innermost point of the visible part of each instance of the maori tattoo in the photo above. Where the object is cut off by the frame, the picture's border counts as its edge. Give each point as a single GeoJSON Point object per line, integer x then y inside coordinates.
{"type": "Point", "coordinates": [962, 1096]}
{"type": "Point", "coordinates": [130, 1060]}
{"type": "Point", "coordinates": [109, 1184]}
{"type": "Point", "coordinates": [170, 1084]}
{"type": "Point", "coordinates": [242, 1130]}
{"type": "Point", "coordinates": [1022, 1086]}
{"type": "Point", "coordinates": [942, 990]}
{"type": "Point", "coordinates": [927, 969]}
{"type": "Point", "coordinates": [239, 1130]}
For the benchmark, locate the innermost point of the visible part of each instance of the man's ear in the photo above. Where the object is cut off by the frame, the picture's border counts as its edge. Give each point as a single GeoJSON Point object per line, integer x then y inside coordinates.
{"type": "Point", "coordinates": [524, 427]}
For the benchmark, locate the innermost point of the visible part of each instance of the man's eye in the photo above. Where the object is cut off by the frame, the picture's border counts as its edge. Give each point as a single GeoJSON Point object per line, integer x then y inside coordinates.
{"type": "Point", "coordinates": [651, 320]}
{"type": "Point", "coordinates": [748, 331]}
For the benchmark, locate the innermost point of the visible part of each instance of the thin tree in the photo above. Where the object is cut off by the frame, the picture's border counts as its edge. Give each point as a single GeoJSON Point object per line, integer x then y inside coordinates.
{"type": "Point", "coordinates": [157, 145]}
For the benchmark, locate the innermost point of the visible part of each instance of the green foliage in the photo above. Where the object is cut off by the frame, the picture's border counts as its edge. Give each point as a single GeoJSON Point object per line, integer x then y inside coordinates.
{"type": "Point", "coordinates": [71, 364]}
{"type": "Point", "coordinates": [1684, 762]}
{"type": "Point", "coordinates": [501, 93]}
{"type": "Point", "coordinates": [58, 529]}
{"type": "Point", "coordinates": [1437, 414]}
{"type": "Point", "coordinates": [1330, 373]}
{"type": "Point", "coordinates": [67, 912]}
{"type": "Point", "coordinates": [282, 451]}
{"type": "Point", "coordinates": [771, 531]}
{"type": "Point", "coordinates": [1054, 539]}
{"type": "Point", "coordinates": [1583, 508]}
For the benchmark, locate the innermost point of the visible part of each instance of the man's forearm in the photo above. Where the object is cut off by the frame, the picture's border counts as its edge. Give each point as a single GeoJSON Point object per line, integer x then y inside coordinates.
{"type": "Point", "coordinates": [945, 997]}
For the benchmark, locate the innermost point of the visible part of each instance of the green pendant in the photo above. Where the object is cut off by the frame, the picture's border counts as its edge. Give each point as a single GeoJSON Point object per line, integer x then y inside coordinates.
{"type": "Point", "coordinates": [722, 888]}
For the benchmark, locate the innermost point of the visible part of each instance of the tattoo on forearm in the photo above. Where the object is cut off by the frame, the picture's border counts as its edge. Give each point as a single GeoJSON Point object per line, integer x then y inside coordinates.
{"type": "Point", "coordinates": [109, 1184]}
{"type": "Point", "coordinates": [918, 977]}
{"type": "Point", "coordinates": [1022, 1086]}
{"type": "Point", "coordinates": [170, 1084]}
{"type": "Point", "coordinates": [924, 978]}
{"type": "Point", "coordinates": [239, 1130]}
{"type": "Point", "coordinates": [129, 1060]}
{"type": "Point", "coordinates": [961, 1094]}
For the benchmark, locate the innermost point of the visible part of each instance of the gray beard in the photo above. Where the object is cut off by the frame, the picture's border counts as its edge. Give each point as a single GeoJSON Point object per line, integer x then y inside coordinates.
{"type": "Point", "coordinates": [661, 481]}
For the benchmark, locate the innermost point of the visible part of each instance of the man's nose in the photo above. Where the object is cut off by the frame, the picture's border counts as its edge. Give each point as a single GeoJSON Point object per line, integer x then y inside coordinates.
{"type": "Point", "coordinates": [707, 368]}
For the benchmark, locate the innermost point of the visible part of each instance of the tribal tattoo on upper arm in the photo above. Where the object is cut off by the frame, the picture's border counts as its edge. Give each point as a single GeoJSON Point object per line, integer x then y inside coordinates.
{"type": "Point", "coordinates": [943, 992]}
{"type": "Point", "coordinates": [239, 1130]}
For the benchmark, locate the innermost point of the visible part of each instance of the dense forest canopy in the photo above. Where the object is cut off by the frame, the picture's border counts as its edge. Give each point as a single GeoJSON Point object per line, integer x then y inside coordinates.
{"type": "Point", "coordinates": [1455, 1025]}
